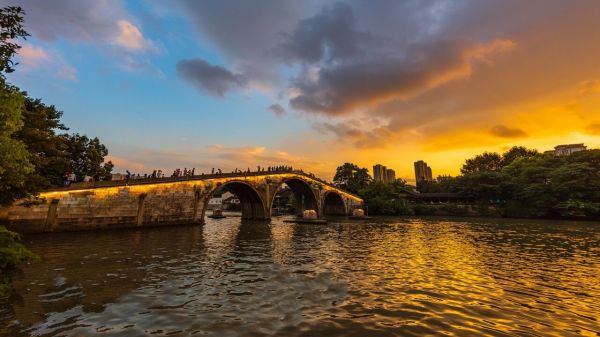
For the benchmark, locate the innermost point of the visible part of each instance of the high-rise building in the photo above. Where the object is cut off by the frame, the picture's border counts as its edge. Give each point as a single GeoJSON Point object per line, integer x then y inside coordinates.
{"type": "Point", "coordinates": [390, 175]}
{"type": "Point", "coordinates": [378, 172]}
{"type": "Point", "coordinates": [383, 174]}
{"type": "Point", "coordinates": [422, 171]}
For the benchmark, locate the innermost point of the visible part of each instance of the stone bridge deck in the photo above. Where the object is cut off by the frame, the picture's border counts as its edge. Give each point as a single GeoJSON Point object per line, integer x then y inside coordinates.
{"type": "Point", "coordinates": [169, 201]}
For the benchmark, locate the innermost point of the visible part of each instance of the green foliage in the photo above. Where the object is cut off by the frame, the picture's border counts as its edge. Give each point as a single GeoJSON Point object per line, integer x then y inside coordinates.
{"type": "Point", "coordinates": [492, 161]}
{"type": "Point", "coordinates": [485, 162]}
{"type": "Point", "coordinates": [351, 177]}
{"type": "Point", "coordinates": [530, 184]}
{"type": "Point", "coordinates": [517, 152]}
{"type": "Point", "coordinates": [14, 157]}
{"type": "Point", "coordinates": [442, 184]}
{"type": "Point", "coordinates": [11, 28]}
{"type": "Point", "coordinates": [385, 199]}
{"type": "Point", "coordinates": [12, 252]}
{"type": "Point", "coordinates": [518, 183]}
{"type": "Point", "coordinates": [49, 151]}
{"type": "Point", "coordinates": [492, 186]}
{"type": "Point", "coordinates": [556, 186]}
{"type": "Point", "coordinates": [86, 157]}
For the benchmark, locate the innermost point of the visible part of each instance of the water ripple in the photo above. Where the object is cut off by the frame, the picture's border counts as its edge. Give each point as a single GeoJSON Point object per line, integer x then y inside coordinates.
{"type": "Point", "coordinates": [385, 277]}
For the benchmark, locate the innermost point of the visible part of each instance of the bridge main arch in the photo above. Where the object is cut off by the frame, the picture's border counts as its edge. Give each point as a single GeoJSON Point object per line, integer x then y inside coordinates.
{"type": "Point", "coordinates": [333, 204]}
{"type": "Point", "coordinates": [252, 204]}
{"type": "Point", "coordinates": [303, 192]}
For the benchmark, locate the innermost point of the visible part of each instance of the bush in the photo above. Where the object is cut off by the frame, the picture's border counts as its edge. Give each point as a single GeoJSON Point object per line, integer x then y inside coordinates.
{"type": "Point", "coordinates": [12, 252]}
{"type": "Point", "coordinates": [425, 210]}
{"type": "Point", "coordinates": [452, 209]}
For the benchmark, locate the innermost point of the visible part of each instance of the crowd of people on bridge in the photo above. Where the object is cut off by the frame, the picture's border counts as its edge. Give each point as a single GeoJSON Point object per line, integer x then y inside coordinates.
{"type": "Point", "coordinates": [70, 178]}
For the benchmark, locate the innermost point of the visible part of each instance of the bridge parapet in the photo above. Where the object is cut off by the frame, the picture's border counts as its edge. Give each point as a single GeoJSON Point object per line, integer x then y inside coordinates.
{"type": "Point", "coordinates": [168, 201]}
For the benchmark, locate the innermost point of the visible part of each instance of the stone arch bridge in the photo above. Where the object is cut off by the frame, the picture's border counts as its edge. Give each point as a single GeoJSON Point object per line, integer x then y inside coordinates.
{"type": "Point", "coordinates": [167, 201]}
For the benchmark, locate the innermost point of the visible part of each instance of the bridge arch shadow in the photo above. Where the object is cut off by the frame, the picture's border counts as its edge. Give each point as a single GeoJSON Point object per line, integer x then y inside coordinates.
{"type": "Point", "coordinates": [303, 193]}
{"type": "Point", "coordinates": [251, 203]}
{"type": "Point", "coordinates": [333, 204]}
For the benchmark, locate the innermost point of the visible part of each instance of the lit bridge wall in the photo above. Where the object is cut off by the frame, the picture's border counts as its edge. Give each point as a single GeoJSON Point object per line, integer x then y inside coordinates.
{"type": "Point", "coordinates": [168, 201]}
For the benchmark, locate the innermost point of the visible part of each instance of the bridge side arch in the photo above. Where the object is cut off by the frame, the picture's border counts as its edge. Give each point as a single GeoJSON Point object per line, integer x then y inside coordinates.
{"type": "Point", "coordinates": [334, 204]}
{"type": "Point", "coordinates": [306, 198]}
{"type": "Point", "coordinates": [251, 202]}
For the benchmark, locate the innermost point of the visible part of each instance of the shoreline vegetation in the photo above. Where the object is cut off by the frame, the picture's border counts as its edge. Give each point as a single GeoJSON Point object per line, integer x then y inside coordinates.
{"type": "Point", "coordinates": [35, 150]}
{"type": "Point", "coordinates": [519, 183]}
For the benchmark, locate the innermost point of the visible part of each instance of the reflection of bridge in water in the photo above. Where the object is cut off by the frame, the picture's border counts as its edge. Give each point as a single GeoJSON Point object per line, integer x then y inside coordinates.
{"type": "Point", "coordinates": [164, 201]}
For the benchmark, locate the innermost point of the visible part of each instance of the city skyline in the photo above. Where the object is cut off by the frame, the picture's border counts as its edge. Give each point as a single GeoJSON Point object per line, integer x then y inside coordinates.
{"type": "Point", "coordinates": [315, 84]}
{"type": "Point", "coordinates": [383, 174]}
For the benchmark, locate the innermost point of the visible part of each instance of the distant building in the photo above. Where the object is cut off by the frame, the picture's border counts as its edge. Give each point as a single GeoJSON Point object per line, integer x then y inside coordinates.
{"type": "Point", "coordinates": [567, 149]}
{"type": "Point", "coordinates": [218, 197]}
{"type": "Point", "coordinates": [378, 172]}
{"type": "Point", "coordinates": [383, 174]}
{"type": "Point", "coordinates": [390, 175]}
{"type": "Point", "coordinates": [422, 171]}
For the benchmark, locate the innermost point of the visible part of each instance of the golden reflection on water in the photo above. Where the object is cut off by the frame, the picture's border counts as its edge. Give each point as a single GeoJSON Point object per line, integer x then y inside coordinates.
{"type": "Point", "coordinates": [384, 277]}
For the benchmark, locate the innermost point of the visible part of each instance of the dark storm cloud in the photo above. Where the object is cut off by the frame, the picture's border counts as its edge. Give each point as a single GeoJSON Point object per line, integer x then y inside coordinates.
{"type": "Point", "coordinates": [504, 131]}
{"type": "Point", "coordinates": [213, 79]}
{"type": "Point", "coordinates": [246, 32]}
{"type": "Point", "coordinates": [277, 109]}
{"type": "Point", "coordinates": [342, 87]}
{"type": "Point", "coordinates": [330, 34]}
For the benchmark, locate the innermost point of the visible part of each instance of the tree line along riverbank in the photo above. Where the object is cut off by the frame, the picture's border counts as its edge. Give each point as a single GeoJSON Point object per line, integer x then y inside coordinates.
{"type": "Point", "coordinates": [520, 183]}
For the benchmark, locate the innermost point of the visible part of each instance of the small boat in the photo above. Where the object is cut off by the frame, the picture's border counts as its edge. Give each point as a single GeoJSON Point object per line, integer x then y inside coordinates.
{"type": "Point", "coordinates": [217, 214]}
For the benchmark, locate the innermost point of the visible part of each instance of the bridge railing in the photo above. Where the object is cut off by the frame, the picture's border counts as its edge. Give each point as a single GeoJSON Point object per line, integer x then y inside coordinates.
{"type": "Point", "coordinates": [144, 181]}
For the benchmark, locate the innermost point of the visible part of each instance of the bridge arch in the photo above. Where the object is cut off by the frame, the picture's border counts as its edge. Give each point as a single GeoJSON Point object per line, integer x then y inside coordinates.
{"type": "Point", "coordinates": [251, 202]}
{"type": "Point", "coordinates": [303, 192]}
{"type": "Point", "coordinates": [333, 204]}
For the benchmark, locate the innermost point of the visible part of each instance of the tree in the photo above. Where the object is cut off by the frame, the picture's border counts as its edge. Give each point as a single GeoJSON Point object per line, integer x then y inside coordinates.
{"type": "Point", "coordinates": [12, 252]}
{"type": "Point", "coordinates": [11, 29]}
{"type": "Point", "coordinates": [86, 156]}
{"type": "Point", "coordinates": [516, 152]}
{"type": "Point", "coordinates": [14, 158]}
{"type": "Point", "coordinates": [351, 177]}
{"type": "Point", "coordinates": [487, 161]}
{"type": "Point", "coordinates": [556, 186]}
{"type": "Point", "coordinates": [48, 150]}
{"type": "Point", "coordinates": [485, 186]}
{"type": "Point", "coordinates": [385, 199]}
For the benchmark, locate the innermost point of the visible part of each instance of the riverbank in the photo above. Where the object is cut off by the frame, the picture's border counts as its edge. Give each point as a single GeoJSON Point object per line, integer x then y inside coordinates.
{"type": "Point", "coordinates": [505, 211]}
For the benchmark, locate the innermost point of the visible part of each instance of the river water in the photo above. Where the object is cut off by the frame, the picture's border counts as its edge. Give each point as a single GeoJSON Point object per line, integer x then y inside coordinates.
{"type": "Point", "coordinates": [382, 277]}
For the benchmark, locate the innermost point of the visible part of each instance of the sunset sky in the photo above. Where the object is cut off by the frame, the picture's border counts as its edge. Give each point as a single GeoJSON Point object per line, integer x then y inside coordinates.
{"type": "Point", "coordinates": [313, 84]}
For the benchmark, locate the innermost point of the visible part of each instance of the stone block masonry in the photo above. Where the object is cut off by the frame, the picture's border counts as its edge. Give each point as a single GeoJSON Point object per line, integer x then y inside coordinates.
{"type": "Point", "coordinates": [164, 202]}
